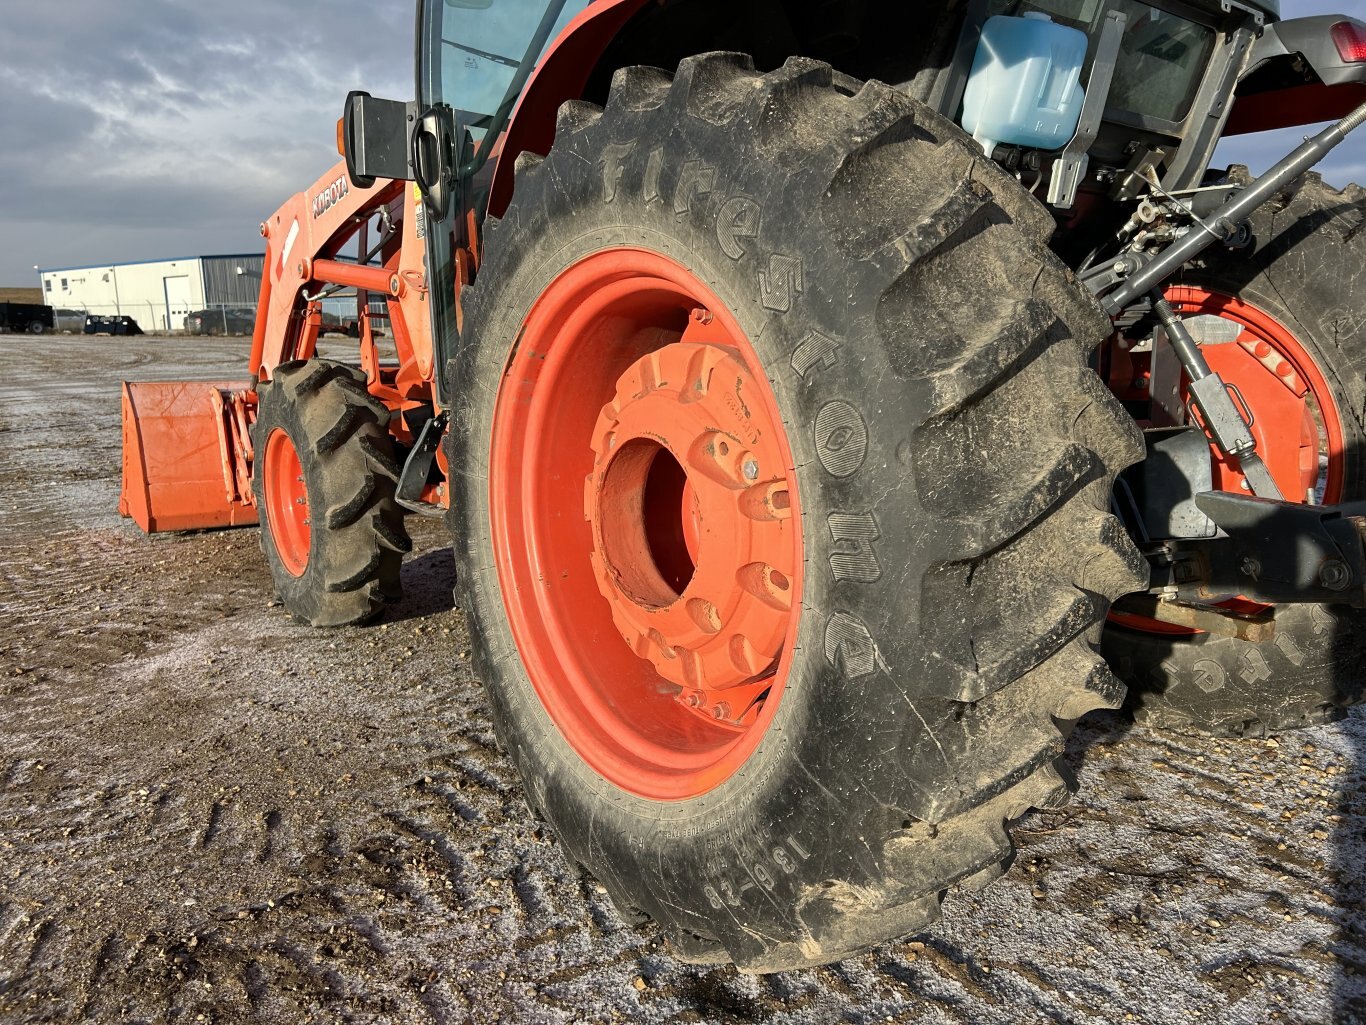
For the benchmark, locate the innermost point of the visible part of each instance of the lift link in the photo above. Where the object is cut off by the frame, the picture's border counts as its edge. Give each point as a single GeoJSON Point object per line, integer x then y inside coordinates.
{"type": "Point", "coordinates": [1222, 421]}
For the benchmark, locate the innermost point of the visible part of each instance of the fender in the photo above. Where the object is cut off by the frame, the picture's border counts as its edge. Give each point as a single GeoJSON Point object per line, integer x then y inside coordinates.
{"type": "Point", "coordinates": [1296, 76]}
{"type": "Point", "coordinates": [562, 75]}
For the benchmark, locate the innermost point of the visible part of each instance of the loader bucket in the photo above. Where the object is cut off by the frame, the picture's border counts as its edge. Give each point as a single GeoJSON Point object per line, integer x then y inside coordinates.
{"type": "Point", "coordinates": [183, 455]}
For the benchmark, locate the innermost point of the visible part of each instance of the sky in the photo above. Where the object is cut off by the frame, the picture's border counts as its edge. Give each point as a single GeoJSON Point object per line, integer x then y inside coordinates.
{"type": "Point", "coordinates": [156, 128]}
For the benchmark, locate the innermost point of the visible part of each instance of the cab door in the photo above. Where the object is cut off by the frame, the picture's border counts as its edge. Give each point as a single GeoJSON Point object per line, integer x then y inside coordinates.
{"type": "Point", "coordinates": [474, 59]}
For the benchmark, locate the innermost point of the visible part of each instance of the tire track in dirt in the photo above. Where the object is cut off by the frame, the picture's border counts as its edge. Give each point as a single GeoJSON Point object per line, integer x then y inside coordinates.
{"type": "Point", "coordinates": [206, 809]}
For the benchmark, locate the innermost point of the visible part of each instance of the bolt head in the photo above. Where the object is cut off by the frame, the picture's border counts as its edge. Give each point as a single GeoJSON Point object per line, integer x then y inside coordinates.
{"type": "Point", "coordinates": [1250, 567]}
{"type": "Point", "coordinates": [750, 470]}
{"type": "Point", "coordinates": [1335, 575]}
{"type": "Point", "coordinates": [720, 710]}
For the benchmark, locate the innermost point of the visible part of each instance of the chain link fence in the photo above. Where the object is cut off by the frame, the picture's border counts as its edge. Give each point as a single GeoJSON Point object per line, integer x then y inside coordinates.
{"type": "Point", "coordinates": [339, 316]}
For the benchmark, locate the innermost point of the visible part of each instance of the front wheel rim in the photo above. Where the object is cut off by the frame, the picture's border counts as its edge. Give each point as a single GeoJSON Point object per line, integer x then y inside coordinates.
{"type": "Point", "coordinates": [646, 527]}
{"type": "Point", "coordinates": [286, 495]}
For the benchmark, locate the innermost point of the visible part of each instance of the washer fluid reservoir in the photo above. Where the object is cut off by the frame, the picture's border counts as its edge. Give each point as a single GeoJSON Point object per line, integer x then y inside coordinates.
{"type": "Point", "coordinates": [1025, 85]}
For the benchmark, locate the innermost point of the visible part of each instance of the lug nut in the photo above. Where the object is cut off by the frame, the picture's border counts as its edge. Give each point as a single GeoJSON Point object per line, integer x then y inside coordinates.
{"type": "Point", "coordinates": [1250, 567]}
{"type": "Point", "coordinates": [750, 469]}
{"type": "Point", "coordinates": [720, 710]}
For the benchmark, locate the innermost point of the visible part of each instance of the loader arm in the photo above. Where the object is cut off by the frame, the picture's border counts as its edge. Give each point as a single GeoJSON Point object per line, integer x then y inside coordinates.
{"type": "Point", "coordinates": [187, 446]}
{"type": "Point", "coordinates": [304, 240]}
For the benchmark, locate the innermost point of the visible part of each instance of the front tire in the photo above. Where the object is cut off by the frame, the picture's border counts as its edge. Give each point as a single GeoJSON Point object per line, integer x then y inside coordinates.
{"type": "Point", "coordinates": [324, 482]}
{"type": "Point", "coordinates": [923, 355]}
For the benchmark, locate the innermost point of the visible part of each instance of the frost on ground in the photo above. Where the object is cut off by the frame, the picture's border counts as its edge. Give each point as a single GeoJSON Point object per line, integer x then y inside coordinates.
{"type": "Point", "coordinates": [210, 813]}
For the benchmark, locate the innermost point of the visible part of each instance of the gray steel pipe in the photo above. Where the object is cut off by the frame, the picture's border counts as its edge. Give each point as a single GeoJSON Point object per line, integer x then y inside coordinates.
{"type": "Point", "coordinates": [1226, 219]}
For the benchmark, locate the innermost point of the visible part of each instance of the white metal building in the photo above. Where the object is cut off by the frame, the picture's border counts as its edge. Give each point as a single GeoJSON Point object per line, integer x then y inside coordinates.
{"type": "Point", "coordinates": [156, 293]}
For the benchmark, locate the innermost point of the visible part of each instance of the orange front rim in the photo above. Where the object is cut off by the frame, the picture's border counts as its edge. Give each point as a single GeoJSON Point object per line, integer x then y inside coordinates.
{"type": "Point", "coordinates": [287, 503]}
{"type": "Point", "coordinates": [646, 526]}
{"type": "Point", "coordinates": [1295, 418]}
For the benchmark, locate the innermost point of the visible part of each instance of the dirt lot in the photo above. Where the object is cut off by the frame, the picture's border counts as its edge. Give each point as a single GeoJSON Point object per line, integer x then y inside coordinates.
{"type": "Point", "coordinates": [211, 814]}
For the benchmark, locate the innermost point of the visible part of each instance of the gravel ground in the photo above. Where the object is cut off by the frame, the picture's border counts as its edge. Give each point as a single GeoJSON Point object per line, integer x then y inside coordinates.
{"type": "Point", "coordinates": [211, 814]}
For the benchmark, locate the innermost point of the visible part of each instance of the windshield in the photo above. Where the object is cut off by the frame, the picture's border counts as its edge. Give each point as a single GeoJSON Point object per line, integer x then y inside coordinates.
{"type": "Point", "coordinates": [482, 48]}
{"type": "Point", "coordinates": [1161, 61]}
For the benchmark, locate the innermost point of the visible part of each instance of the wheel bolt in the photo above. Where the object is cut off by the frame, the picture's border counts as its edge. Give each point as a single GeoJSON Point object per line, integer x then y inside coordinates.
{"type": "Point", "coordinates": [750, 469]}
{"type": "Point", "coordinates": [720, 710]}
{"type": "Point", "coordinates": [1335, 575]}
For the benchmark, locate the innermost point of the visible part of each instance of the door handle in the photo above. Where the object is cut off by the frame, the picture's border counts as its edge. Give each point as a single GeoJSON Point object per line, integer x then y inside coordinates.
{"type": "Point", "coordinates": [433, 149]}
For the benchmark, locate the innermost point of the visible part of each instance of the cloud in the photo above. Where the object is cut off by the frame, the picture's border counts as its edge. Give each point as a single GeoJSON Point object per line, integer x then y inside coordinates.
{"type": "Point", "coordinates": [144, 128]}
{"type": "Point", "coordinates": [152, 127]}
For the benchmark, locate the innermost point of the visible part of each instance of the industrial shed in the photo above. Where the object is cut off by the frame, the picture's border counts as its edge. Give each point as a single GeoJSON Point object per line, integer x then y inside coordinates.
{"type": "Point", "coordinates": [157, 293]}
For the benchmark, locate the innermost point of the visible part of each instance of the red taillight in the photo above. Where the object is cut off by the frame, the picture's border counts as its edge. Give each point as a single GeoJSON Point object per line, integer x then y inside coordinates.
{"type": "Point", "coordinates": [1350, 39]}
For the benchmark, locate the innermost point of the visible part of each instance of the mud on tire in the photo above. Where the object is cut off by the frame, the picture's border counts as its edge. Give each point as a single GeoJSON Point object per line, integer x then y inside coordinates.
{"type": "Point", "coordinates": [1305, 270]}
{"type": "Point", "coordinates": [357, 538]}
{"type": "Point", "coordinates": [953, 457]}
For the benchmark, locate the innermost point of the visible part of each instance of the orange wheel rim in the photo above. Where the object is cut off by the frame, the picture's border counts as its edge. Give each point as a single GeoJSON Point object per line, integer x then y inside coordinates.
{"type": "Point", "coordinates": [1296, 420]}
{"type": "Point", "coordinates": [286, 499]}
{"type": "Point", "coordinates": [646, 526]}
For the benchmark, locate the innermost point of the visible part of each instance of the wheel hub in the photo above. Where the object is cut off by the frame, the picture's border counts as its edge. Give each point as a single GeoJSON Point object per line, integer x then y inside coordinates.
{"type": "Point", "coordinates": [691, 518]}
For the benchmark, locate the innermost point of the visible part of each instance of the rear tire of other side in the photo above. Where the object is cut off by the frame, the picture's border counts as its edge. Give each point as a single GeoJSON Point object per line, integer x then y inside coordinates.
{"type": "Point", "coordinates": [1305, 273]}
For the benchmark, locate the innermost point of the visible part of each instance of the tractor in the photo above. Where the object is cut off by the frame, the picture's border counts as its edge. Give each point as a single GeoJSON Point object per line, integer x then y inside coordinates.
{"type": "Point", "coordinates": [830, 403]}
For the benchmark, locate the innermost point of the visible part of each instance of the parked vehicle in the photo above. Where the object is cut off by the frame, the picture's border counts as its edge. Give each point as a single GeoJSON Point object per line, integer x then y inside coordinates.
{"type": "Point", "coordinates": [776, 413]}
{"type": "Point", "coordinates": [221, 321]}
{"type": "Point", "coordinates": [334, 324]}
{"type": "Point", "coordinates": [34, 318]}
{"type": "Point", "coordinates": [69, 320]}
{"type": "Point", "coordinates": [111, 325]}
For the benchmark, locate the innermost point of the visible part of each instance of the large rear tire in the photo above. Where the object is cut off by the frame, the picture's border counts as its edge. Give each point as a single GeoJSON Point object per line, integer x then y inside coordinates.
{"type": "Point", "coordinates": [892, 313]}
{"type": "Point", "coordinates": [324, 480]}
{"type": "Point", "coordinates": [1300, 291]}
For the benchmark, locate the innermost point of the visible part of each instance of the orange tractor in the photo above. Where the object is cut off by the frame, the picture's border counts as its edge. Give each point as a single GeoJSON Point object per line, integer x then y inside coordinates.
{"type": "Point", "coordinates": [830, 403]}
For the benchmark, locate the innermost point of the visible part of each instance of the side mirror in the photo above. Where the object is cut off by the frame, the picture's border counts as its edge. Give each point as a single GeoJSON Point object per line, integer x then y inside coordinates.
{"type": "Point", "coordinates": [389, 139]}
{"type": "Point", "coordinates": [376, 138]}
